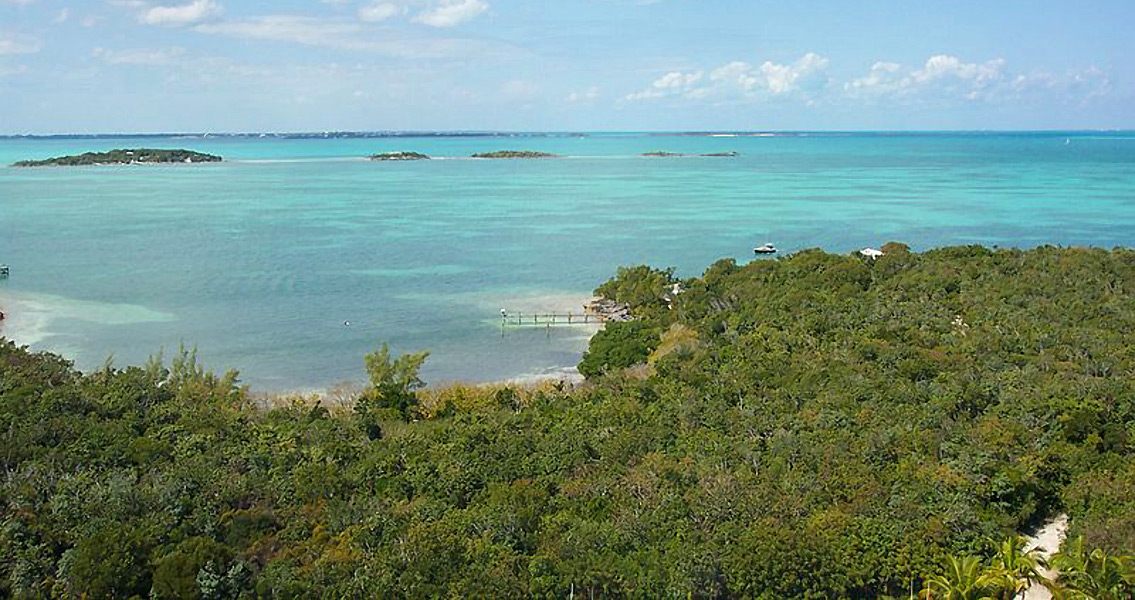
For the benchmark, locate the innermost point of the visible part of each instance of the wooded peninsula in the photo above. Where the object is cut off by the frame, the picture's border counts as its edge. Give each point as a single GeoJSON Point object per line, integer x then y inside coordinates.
{"type": "Point", "coordinates": [814, 426]}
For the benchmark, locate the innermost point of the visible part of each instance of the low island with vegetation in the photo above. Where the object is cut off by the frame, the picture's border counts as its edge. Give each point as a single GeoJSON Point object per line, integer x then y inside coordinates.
{"type": "Point", "coordinates": [514, 154]}
{"type": "Point", "coordinates": [137, 156]}
{"type": "Point", "coordinates": [399, 156]}
{"type": "Point", "coordinates": [816, 426]}
{"type": "Point", "coordinates": [662, 154]}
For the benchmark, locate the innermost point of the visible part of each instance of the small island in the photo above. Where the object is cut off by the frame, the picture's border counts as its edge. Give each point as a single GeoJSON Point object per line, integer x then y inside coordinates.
{"type": "Point", "coordinates": [139, 156]}
{"type": "Point", "coordinates": [400, 156]}
{"type": "Point", "coordinates": [514, 154]}
{"type": "Point", "coordinates": [711, 154]}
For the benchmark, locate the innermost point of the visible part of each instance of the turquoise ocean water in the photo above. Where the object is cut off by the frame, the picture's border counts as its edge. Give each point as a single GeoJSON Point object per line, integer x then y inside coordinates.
{"type": "Point", "coordinates": [260, 260]}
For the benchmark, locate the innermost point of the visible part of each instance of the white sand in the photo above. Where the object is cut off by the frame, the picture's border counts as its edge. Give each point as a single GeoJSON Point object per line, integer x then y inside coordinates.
{"type": "Point", "coordinates": [30, 318]}
{"type": "Point", "coordinates": [1048, 540]}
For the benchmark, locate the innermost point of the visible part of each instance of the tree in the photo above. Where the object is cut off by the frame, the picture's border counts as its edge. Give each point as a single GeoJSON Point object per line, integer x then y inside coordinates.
{"type": "Point", "coordinates": [1094, 575]}
{"type": "Point", "coordinates": [618, 346]}
{"type": "Point", "coordinates": [1016, 569]}
{"type": "Point", "coordinates": [965, 579]}
{"type": "Point", "coordinates": [394, 382]}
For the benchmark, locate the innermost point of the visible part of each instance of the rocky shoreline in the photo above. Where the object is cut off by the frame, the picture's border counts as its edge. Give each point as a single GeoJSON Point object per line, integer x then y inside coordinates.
{"type": "Point", "coordinates": [608, 310]}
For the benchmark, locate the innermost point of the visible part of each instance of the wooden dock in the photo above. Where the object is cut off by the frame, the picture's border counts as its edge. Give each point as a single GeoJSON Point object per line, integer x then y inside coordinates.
{"type": "Point", "coordinates": [549, 319]}
{"type": "Point", "coordinates": [596, 312]}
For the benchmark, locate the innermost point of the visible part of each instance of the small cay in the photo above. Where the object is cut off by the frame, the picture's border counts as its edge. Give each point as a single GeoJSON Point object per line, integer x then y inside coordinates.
{"type": "Point", "coordinates": [138, 156]}
{"type": "Point", "coordinates": [711, 154]}
{"type": "Point", "coordinates": [400, 156]}
{"type": "Point", "coordinates": [514, 154]}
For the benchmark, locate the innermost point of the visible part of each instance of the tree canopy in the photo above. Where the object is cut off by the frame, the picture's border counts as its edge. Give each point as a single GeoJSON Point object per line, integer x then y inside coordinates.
{"type": "Point", "coordinates": [816, 426]}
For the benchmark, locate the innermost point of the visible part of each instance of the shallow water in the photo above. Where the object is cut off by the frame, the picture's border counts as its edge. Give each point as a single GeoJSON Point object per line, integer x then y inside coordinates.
{"type": "Point", "coordinates": [260, 260]}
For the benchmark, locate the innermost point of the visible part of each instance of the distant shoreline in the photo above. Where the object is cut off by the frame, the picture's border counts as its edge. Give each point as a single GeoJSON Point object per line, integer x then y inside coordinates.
{"type": "Point", "coordinates": [299, 135]}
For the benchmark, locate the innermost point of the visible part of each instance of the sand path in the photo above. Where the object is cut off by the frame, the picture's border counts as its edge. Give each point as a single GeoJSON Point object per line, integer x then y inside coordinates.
{"type": "Point", "coordinates": [1048, 540]}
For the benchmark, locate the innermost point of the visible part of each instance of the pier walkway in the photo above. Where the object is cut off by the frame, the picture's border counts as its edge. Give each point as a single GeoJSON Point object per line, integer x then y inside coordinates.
{"type": "Point", "coordinates": [596, 312]}
{"type": "Point", "coordinates": [521, 319]}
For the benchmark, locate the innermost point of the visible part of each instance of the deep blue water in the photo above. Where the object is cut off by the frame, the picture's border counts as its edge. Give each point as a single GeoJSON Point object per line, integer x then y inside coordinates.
{"type": "Point", "coordinates": [259, 260]}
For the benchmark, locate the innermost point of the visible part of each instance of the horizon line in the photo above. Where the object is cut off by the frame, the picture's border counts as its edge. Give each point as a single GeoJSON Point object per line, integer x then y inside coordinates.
{"type": "Point", "coordinates": [318, 134]}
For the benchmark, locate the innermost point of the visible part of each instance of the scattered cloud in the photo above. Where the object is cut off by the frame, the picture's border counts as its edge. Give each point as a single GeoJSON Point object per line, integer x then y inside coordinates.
{"type": "Point", "coordinates": [11, 43]}
{"type": "Point", "coordinates": [352, 35]}
{"type": "Point", "coordinates": [674, 83]}
{"type": "Point", "coordinates": [883, 78]}
{"type": "Point", "coordinates": [182, 15]}
{"type": "Point", "coordinates": [806, 77]}
{"type": "Point", "coordinates": [520, 90]}
{"type": "Point", "coordinates": [139, 56]}
{"type": "Point", "coordinates": [308, 31]}
{"type": "Point", "coordinates": [62, 16]}
{"type": "Point", "coordinates": [450, 13]}
{"type": "Point", "coordinates": [944, 77]}
{"type": "Point", "coordinates": [16, 70]}
{"type": "Point", "coordinates": [380, 11]}
{"type": "Point", "coordinates": [589, 95]}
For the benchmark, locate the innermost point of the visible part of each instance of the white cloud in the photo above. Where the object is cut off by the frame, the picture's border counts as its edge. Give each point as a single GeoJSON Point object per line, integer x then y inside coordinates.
{"type": "Point", "coordinates": [883, 78]}
{"type": "Point", "coordinates": [62, 16]}
{"type": "Point", "coordinates": [808, 74]}
{"type": "Point", "coordinates": [139, 56]}
{"type": "Point", "coordinates": [591, 94]}
{"type": "Point", "coordinates": [16, 70]}
{"type": "Point", "coordinates": [674, 83]}
{"type": "Point", "coordinates": [380, 11]}
{"type": "Point", "coordinates": [944, 78]}
{"type": "Point", "coordinates": [343, 34]}
{"type": "Point", "coordinates": [18, 44]}
{"type": "Point", "coordinates": [943, 75]}
{"type": "Point", "coordinates": [309, 31]}
{"type": "Point", "coordinates": [807, 77]}
{"type": "Point", "coordinates": [196, 12]}
{"type": "Point", "coordinates": [519, 90]}
{"type": "Point", "coordinates": [940, 80]}
{"type": "Point", "coordinates": [450, 13]}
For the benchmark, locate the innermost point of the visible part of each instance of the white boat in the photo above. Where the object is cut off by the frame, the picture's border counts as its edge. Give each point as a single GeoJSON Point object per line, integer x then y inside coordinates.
{"type": "Point", "coordinates": [765, 249]}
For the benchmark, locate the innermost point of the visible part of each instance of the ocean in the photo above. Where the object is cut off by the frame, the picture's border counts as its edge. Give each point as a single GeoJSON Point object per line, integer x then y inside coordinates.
{"type": "Point", "coordinates": [261, 261]}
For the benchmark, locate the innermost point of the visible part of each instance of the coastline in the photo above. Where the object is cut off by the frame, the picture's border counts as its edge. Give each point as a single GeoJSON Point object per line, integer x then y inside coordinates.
{"type": "Point", "coordinates": [28, 321]}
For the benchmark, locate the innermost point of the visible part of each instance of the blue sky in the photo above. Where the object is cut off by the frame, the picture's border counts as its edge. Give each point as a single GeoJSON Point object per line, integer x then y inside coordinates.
{"type": "Point", "coordinates": [314, 65]}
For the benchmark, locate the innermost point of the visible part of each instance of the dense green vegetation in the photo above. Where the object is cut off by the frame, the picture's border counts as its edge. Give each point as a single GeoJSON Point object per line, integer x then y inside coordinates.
{"type": "Point", "coordinates": [400, 156]}
{"type": "Point", "coordinates": [137, 156]}
{"type": "Point", "coordinates": [817, 426]}
{"type": "Point", "coordinates": [1013, 568]}
{"type": "Point", "coordinates": [514, 154]}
